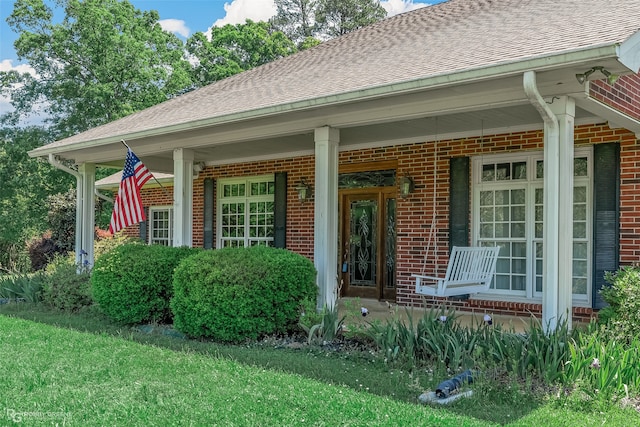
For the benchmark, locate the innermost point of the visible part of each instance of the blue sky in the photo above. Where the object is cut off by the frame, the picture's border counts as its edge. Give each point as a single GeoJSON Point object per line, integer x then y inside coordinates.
{"type": "Point", "coordinates": [183, 17]}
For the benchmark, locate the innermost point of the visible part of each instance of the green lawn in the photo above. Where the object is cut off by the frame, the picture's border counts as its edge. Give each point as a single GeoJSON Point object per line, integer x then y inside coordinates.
{"type": "Point", "coordinates": [54, 375]}
{"type": "Point", "coordinates": [113, 376]}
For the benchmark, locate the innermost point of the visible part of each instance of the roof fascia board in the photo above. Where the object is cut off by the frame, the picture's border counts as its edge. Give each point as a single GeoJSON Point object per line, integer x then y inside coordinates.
{"type": "Point", "coordinates": [614, 117]}
{"type": "Point", "coordinates": [541, 63]}
{"type": "Point", "coordinates": [629, 52]}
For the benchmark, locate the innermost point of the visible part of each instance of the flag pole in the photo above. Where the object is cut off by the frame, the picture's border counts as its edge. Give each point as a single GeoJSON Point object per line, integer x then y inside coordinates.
{"type": "Point", "coordinates": [166, 193]}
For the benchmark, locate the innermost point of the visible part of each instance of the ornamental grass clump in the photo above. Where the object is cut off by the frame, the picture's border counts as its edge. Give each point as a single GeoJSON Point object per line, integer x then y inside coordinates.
{"type": "Point", "coordinates": [233, 294]}
{"type": "Point", "coordinates": [21, 287]}
{"type": "Point", "coordinates": [602, 367]}
{"type": "Point", "coordinates": [437, 338]}
{"type": "Point", "coordinates": [132, 283]}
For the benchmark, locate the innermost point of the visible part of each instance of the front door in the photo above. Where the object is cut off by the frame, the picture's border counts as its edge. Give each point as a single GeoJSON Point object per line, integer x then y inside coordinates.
{"type": "Point", "coordinates": [368, 242]}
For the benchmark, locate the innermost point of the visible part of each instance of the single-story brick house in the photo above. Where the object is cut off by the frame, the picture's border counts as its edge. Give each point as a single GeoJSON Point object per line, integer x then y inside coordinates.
{"type": "Point", "coordinates": [491, 122]}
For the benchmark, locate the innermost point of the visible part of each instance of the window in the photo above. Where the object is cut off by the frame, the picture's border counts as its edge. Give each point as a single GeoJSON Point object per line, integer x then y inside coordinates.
{"type": "Point", "coordinates": [508, 212]}
{"type": "Point", "coordinates": [246, 211]}
{"type": "Point", "coordinates": [161, 225]}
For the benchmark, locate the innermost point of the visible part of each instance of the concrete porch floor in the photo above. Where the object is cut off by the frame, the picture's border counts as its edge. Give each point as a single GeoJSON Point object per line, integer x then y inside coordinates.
{"type": "Point", "coordinates": [381, 310]}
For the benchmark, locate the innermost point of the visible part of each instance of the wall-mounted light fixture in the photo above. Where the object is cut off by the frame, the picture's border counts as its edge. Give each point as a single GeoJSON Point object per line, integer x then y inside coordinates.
{"type": "Point", "coordinates": [406, 186]}
{"type": "Point", "coordinates": [611, 78]}
{"type": "Point", "coordinates": [304, 190]}
{"type": "Point", "coordinates": [198, 167]}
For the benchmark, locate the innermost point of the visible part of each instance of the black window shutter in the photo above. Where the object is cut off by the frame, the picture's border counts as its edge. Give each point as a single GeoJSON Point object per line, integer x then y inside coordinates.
{"type": "Point", "coordinates": [280, 210]}
{"type": "Point", "coordinates": [208, 213]}
{"type": "Point", "coordinates": [144, 226]}
{"type": "Point", "coordinates": [606, 222]}
{"type": "Point", "coordinates": [459, 209]}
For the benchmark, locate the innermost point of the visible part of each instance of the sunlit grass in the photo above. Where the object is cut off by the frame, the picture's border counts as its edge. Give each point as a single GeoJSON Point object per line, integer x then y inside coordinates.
{"type": "Point", "coordinates": [86, 379]}
{"type": "Point", "coordinates": [85, 370]}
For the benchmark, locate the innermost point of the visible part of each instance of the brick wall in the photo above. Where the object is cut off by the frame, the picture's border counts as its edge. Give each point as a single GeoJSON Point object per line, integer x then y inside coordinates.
{"type": "Point", "coordinates": [624, 95]}
{"type": "Point", "coordinates": [299, 215]}
{"type": "Point", "coordinates": [152, 195]}
{"type": "Point", "coordinates": [414, 214]}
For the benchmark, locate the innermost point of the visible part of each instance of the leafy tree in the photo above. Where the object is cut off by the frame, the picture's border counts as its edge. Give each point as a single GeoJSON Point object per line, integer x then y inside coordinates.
{"type": "Point", "coordinates": [308, 43]}
{"type": "Point", "coordinates": [236, 48]}
{"type": "Point", "coordinates": [338, 17]}
{"type": "Point", "coordinates": [306, 20]}
{"type": "Point", "coordinates": [105, 60]}
{"type": "Point", "coordinates": [25, 184]}
{"type": "Point", "coordinates": [296, 18]}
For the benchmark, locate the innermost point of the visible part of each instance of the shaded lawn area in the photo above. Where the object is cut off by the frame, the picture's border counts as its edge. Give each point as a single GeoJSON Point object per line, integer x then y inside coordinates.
{"type": "Point", "coordinates": [113, 376]}
{"type": "Point", "coordinates": [54, 375]}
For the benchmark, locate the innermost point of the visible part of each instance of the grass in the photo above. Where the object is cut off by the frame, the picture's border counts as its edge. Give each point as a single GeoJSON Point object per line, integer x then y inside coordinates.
{"type": "Point", "coordinates": [84, 370]}
{"type": "Point", "coordinates": [85, 379]}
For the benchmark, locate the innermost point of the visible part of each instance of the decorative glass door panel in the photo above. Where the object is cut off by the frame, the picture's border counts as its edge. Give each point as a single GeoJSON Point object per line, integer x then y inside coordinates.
{"type": "Point", "coordinates": [369, 234]}
{"type": "Point", "coordinates": [363, 242]}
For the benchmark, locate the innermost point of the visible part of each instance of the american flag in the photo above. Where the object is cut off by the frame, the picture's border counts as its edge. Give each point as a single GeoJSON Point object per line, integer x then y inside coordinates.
{"type": "Point", "coordinates": [127, 208]}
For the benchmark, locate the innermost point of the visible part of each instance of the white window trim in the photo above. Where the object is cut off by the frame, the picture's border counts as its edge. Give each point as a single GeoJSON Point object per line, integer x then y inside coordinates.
{"type": "Point", "coordinates": [219, 200]}
{"type": "Point", "coordinates": [153, 209]}
{"type": "Point", "coordinates": [530, 295]}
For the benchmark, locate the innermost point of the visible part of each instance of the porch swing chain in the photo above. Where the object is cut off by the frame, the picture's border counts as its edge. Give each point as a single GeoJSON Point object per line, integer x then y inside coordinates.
{"type": "Point", "coordinates": [431, 238]}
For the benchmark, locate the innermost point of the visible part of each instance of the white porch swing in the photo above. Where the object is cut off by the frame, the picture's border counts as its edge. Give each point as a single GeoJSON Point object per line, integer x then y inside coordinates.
{"type": "Point", "coordinates": [470, 269]}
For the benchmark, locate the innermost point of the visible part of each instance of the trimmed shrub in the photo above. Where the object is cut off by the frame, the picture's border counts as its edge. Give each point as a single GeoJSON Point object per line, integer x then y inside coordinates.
{"type": "Point", "coordinates": [107, 242]}
{"type": "Point", "coordinates": [132, 283]}
{"type": "Point", "coordinates": [622, 316]}
{"type": "Point", "coordinates": [234, 294]}
{"type": "Point", "coordinates": [66, 288]}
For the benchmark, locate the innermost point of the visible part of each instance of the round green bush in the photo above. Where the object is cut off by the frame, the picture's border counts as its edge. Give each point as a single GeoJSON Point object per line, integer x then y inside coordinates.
{"type": "Point", "coordinates": [234, 294]}
{"type": "Point", "coordinates": [66, 287]}
{"type": "Point", "coordinates": [132, 283]}
{"type": "Point", "coordinates": [622, 316]}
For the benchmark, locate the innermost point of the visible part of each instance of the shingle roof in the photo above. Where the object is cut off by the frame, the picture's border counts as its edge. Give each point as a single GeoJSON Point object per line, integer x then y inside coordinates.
{"type": "Point", "coordinates": [445, 38]}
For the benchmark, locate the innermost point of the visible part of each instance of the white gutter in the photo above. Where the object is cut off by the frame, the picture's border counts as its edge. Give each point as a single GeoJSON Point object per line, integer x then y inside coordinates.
{"type": "Point", "coordinates": [59, 165]}
{"type": "Point", "coordinates": [78, 241]}
{"type": "Point", "coordinates": [103, 196]}
{"type": "Point", "coordinates": [531, 89]}
{"type": "Point", "coordinates": [551, 227]}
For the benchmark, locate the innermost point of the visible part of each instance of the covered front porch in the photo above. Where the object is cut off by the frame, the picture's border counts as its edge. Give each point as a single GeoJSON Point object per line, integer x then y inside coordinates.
{"type": "Point", "coordinates": [432, 131]}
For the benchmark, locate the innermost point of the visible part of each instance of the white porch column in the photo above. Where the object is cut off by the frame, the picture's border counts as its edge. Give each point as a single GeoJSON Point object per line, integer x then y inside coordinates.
{"type": "Point", "coordinates": [558, 217]}
{"type": "Point", "coordinates": [325, 238]}
{"type": "Point", "coordinates": [182, 197]}
{"type": "Point", "coordinates": [79, 220]}
{"type": "Point", "coordinates": [87, 203]}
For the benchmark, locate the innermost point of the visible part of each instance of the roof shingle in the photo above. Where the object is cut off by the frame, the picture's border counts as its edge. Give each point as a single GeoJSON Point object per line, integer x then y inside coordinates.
{"type": "Point", "coordinates": [445, 38]}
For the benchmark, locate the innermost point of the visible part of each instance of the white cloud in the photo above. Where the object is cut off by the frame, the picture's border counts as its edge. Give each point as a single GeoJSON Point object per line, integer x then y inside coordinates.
{"type": "Point", "coordinates": [394, 7]}
{"type": "Point", "coordinates": [7, 65]}
{"type": "Point", "coordinates": [176, 26]}
{"type": "Point", "coordinates": [238, 11]}
{"type": "Point", "coordinates": [5, 103]}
